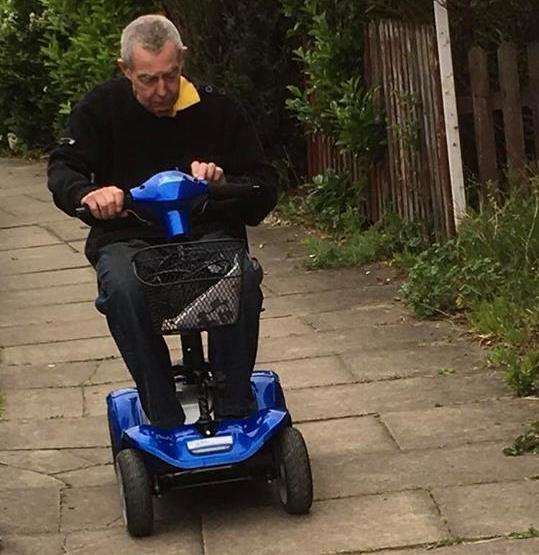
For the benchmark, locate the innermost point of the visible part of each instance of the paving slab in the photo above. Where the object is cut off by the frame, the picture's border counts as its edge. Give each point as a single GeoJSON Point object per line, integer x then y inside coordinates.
{"type": "Point", "coordinates": [345, 436]}
{"type": "Point", "coordinates": [18, 478]}
{"type": "Point", "coordinates": [53, 278]}
{"type": "Point", "coordinates": [358, 339]}
{"type": "Point", "coordinates": [10, 300]}
{"type": "Point", "coordinates": [49, 461]}
{"type": "Point", "coordinates": [370, 316]}
{"type": "Point", "coordinates": [71, 312]}
{"type": "Point", "coordinates": [23, 237]}
{"type": "Point", "coordinates": [100, 475]}
{"type": "Point", "coordinates": [312, 372]}
{"type": "Point", "coordinates": [460, 357]}
{"type": "Point", "coordinates": [30, 209]}
{"type": "Point", "coordinates": [68, 229]}
{"type": "Point", "coordinates": [495, 546]}
{"type": "Point", "coordinates": [330, 280]}
{"type": "Point", "coordinates": [55, 433]}
{"type": "Point", "coordinates": [110, 371]}
{"type": "Point", "coordinates": [42, 403]}
{"type": "Point", "coordinates": [359, 470]}
{"type": "Point", "coordinates": [50, 544]}
{"type": "Point", "coordinates": [283, 327]}
{"type": "Point", "coordinates": [343, 525]}
{"type": "Point", "coordinates": [95, 397]}
{"type": "Point", "coordinates": [53, 332]}
{"type": "Point", "coordinates": [75, 350]}
{"type": "Point", "coordinates": [38, 259]}
{"type": "Point", "coordinates": [46, 375]}
{"type": "Point", "coordinates": [29, 511]}
{"type": "Point", "coordinates": [90, 507]}
{"type": "Point", "coordinates": [391, 396]}
{"type": "Point", "coordinates": [325, 301]}
{"type": "Point", "coordinates": [183, 538]}
{"type": "Point", "coordinates": [94, 455]}
{"type": "Point", "coordinates": [446, 426]}
{"type": "Point", "coordinates": [490, 509]}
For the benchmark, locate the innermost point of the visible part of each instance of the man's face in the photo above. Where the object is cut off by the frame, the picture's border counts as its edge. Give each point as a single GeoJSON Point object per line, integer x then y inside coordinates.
{"type": "Point", "coordinates": [155, 77]}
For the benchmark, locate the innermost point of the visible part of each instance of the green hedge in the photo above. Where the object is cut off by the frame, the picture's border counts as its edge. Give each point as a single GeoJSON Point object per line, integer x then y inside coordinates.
{"type": "Point", "coordinates": [51, 53]}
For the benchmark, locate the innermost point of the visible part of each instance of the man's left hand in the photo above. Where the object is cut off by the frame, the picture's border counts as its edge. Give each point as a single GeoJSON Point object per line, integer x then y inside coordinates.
{"type": "Point", "coordinates": [208, 171]}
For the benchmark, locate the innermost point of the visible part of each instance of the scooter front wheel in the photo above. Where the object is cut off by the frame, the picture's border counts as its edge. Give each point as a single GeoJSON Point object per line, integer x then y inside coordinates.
{"type": "Point", "coordinates": [294, 482]}
{"type": "Point", "coordinates": [135, 493]}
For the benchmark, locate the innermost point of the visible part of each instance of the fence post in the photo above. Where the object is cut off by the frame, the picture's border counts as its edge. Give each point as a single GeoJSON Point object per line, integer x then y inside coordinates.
{"type": "Point", "coordinates": [483, 119]}
{"type": "Point", "coordinates": [512, 107]}
{"type": "Point", "coordinates": [450, 111]}
{"type": "Point", "coordinates": [533, 71]}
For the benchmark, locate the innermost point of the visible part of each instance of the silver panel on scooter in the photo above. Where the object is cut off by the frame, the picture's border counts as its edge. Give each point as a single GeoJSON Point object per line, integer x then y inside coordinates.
{"type": "Point", "coordinates": [187, 395]}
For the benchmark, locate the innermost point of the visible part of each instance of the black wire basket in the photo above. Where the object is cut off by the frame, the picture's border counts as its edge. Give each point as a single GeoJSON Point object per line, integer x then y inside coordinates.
{"type": "Point", "coordinates": [192, 286]}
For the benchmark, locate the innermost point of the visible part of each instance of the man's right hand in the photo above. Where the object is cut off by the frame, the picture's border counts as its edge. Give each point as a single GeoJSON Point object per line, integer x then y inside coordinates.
{"type": "Point", "coordinates": [105, 203]}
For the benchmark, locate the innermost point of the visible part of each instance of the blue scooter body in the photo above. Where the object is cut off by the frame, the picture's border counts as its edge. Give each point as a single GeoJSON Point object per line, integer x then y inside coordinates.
{"type": "Point", "coordinates": [168, 196]}
{"type": "Point", "coordinates": [184, 447]}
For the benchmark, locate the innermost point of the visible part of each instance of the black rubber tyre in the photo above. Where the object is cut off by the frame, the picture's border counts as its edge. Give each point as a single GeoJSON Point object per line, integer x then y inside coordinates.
{"type": "Point", "coordinates": [113, 446]}
{"type": "Point", "coordinates": [135, 493]}
{"type": "Point", "coordinates": [294, 482]}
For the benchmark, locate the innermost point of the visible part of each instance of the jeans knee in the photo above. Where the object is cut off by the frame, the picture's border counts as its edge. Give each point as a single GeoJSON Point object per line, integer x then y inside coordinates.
{"type": "Point", "coordinates": [117, 284]}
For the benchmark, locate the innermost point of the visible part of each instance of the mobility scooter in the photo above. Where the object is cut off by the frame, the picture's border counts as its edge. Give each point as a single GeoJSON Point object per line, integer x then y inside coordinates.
{"type": "Point", "coordinates": [191, 287]}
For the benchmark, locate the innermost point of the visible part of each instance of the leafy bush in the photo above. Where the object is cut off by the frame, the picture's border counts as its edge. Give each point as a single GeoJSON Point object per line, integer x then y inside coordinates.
{"type": "Point", "coordinates": [51, 53]}
{"type": "Point", "coordinates": [25, 109]}
{"type": "Point", "coordinates": [81, 45]}
{"type": "Point", "coordinates": [490, 272]}
{"type": "Point", "coordinates": [382, 241]}
{"type": "Point", "coordinates": [334, 99]}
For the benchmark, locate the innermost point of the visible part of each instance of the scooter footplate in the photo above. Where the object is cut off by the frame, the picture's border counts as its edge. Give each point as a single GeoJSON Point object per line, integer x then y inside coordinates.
{"type": "Point", "coordinates": [185, 448]}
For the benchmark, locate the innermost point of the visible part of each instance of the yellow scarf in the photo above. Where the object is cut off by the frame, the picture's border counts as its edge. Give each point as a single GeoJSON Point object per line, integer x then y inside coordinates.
{"type": "Point", "coordinates": [187, 97]}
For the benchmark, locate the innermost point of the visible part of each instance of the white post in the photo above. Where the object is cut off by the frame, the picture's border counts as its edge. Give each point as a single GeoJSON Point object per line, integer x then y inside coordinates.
{"type": "Point", "coordinates": [450, 111]}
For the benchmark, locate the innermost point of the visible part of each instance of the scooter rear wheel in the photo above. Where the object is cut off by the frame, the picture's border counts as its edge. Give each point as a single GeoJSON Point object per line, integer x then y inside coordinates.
{"type": "Point", "coordinates": [135, 493]}
{"type": "Point", "coordinates": [294, 483]}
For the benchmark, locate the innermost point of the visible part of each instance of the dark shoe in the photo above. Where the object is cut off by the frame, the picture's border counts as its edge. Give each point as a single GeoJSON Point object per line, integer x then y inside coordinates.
{"type": "Point", "coordinates": [171, 422]}
{"type": "Point", "coordinates": [238, 414]}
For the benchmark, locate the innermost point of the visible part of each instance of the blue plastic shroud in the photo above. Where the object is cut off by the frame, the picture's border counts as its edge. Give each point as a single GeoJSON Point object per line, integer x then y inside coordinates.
{"type": "Point", "coordinates": [169, 196]}
{"type": "Point", "coordinates": [181, 447]}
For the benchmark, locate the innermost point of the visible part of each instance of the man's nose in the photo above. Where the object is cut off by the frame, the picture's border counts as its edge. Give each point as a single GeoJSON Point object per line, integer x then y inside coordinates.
{"type": "Point", "coordinates": [161, 88]}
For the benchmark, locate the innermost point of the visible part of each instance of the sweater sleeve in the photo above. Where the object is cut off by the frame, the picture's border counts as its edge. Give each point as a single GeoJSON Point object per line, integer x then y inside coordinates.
{"type": "Point", "coordinates": [77, 159]}
{"type": "Point", "coordinates": [246, 166]}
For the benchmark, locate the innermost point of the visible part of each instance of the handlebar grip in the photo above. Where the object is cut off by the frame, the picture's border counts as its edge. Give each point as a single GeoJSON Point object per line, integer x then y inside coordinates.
{"type": "Point", "coordinates": [84, 211]}
{"type": "Point", "coordinates": [232, 190]}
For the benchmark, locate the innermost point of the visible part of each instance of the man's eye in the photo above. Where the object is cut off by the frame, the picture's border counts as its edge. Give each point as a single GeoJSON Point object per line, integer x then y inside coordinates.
{"type": "Point", "coordinates": [146, 80]}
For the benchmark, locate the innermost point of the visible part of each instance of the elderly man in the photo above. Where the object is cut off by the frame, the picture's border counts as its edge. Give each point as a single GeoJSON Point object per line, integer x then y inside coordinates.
{"type": "Point", "coordinates": [150, 120]}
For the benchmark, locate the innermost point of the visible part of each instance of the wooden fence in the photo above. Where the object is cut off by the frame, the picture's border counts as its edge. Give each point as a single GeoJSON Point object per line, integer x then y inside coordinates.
{"type": "Point", "coordinates": [413, 178]}
{"type": "Point", "coordinates": [511, 99]}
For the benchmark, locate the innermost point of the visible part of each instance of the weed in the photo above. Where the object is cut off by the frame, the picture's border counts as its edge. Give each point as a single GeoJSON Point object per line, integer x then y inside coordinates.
{"type": "Point", "coordinates": [446, 371]}
{"type": "Point", "coordinates": [446, 542]}
{"type": "Point", "coordinates": [531, 532]}
{"type": "Point", "coordinates": [528, 442]}
{"type": "Point", "coordinates": [489, 273]}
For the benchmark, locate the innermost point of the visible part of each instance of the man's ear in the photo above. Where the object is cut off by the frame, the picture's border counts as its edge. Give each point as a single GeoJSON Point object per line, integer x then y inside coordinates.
{"type": "Point", "coordinates": [124, 68]}
{"type": "Point", "coordinates": [182, 54]}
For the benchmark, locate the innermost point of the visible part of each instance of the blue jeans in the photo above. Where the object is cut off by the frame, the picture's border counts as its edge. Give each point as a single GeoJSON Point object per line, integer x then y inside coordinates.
{"type": "Point", "coordinates": [231, 349]}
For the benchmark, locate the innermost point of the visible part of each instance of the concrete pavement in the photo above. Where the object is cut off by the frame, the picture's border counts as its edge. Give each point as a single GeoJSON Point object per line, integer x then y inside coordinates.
{"type": "Point", "coordinates": [404, 421]}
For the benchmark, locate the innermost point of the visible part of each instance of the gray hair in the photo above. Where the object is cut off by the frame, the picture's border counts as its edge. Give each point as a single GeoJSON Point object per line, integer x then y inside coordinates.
{"type": "Point", "coordinates": [151, 32]}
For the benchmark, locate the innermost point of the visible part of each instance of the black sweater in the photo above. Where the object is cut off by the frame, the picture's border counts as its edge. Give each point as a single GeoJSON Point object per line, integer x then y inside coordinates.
{"type": "Point", "coordinates": [113, 140]}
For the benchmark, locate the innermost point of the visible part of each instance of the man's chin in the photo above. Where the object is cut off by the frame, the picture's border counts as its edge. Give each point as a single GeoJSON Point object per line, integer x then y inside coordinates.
{"type": "Point", "coordinates": [162, 113]}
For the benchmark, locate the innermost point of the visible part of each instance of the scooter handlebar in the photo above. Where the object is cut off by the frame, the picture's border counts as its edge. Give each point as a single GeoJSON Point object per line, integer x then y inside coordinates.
{"type": "Point", "coordinates": [84, 210]}
{"type": "Point", "coordinates": [220, 191]}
